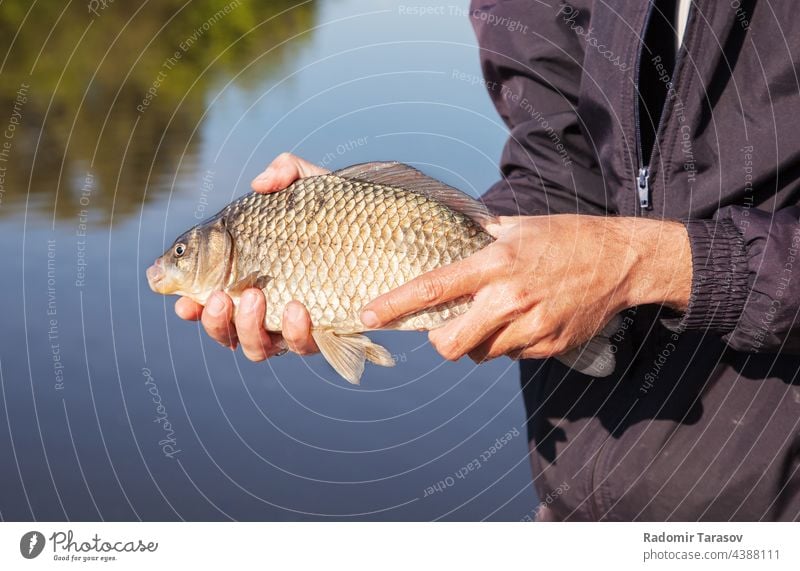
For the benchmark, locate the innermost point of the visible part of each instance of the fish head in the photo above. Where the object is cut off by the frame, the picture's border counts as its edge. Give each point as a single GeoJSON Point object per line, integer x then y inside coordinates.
{"type": "Point", "coordinates": [197, 264]}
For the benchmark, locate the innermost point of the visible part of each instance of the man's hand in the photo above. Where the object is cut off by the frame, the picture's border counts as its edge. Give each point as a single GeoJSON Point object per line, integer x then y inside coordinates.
{"type": "Point", "coordinates": [247, 327]}
{"type": "Point", "coordinates": [547, 284]}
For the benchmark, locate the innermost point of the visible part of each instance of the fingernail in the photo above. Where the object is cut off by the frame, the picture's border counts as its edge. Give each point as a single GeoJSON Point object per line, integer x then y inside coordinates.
{"type": "Point", "coordinates": [370, 318]}
{"type": "Point", "coordinates": [249, 300]}
{"type": "Point", "coordinates": [215, 305]}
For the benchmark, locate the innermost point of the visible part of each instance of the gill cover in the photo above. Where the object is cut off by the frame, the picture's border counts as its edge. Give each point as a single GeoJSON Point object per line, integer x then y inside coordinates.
{"type": "Point", "coordinates": [198, 262]}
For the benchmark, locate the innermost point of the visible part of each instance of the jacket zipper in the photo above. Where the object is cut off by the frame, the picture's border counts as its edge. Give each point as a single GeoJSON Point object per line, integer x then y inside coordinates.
{"type": "Point", "coordinates": [643, 186]}
{"type": "Point", "coordinates": [643, 174]}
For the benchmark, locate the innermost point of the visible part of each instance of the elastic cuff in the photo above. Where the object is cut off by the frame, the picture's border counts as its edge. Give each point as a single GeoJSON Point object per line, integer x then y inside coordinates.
{"type": "Point", "coordinates": [719, 277]}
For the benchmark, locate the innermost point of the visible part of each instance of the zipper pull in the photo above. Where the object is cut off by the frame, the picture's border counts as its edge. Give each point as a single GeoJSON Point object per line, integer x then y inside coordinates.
{"type": "Point", "coordinates": [643, 187]}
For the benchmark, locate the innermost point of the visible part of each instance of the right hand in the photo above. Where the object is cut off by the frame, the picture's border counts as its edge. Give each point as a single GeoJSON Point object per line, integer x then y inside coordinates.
{"type": "Point", "coordinates": [247, 327]}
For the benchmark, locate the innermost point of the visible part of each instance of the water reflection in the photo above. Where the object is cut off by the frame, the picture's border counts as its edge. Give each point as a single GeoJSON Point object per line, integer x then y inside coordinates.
{"type": "Point", "coordinates": [114, 96]}
{"type": "Point", "coordinates": [128, 125]}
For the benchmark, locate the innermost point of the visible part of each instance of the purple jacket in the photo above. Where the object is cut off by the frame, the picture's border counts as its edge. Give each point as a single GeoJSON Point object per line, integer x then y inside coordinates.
{"type": "Point", "coordinates": [702, 418]}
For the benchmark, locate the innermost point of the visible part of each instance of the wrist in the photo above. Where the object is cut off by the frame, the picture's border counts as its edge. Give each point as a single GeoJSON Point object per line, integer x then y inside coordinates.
{"type": "Point", "coordinates": [658, 263]}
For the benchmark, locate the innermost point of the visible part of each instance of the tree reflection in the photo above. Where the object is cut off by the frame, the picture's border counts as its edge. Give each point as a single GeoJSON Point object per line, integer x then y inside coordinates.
{"type": "Point", "coordinates": [111, 93]}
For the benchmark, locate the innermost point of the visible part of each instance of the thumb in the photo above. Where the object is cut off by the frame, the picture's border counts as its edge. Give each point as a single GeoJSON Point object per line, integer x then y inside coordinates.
{"type": "Point", "coordinates": [283, 171]}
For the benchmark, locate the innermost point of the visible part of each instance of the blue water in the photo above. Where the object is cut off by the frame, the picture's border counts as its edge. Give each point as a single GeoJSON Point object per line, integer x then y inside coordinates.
{"type": "Point", "coordinates": [88, 352]}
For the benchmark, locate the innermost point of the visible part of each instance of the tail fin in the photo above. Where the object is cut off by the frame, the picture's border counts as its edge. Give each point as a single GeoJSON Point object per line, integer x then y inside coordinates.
{"type": "Point", "coordinates": [596, 357]}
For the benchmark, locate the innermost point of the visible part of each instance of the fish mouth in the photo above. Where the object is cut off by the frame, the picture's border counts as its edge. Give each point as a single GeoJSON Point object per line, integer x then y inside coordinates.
{"type": "Point", "coordinates": [155, 276]}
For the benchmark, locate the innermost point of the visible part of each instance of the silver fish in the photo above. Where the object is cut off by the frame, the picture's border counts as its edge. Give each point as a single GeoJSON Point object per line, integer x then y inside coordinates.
{"type": "Point", "coordinates": [334, 242]}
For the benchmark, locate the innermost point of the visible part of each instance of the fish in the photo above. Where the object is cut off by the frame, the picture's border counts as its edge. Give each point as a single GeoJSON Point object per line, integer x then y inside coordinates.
{"type": "Point", "coordinates": [334, 242]}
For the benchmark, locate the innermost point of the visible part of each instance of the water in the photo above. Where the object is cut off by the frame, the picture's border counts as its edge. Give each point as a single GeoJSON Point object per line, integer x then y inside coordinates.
{"type": "Point", "coordinates": [113, 408]}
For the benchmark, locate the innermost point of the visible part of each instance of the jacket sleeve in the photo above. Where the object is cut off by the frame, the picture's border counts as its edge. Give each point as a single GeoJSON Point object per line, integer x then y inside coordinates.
{"type": "Point", "coordinates": [745, 285]}
{"type": "Point", "coordinates": [532, 73]}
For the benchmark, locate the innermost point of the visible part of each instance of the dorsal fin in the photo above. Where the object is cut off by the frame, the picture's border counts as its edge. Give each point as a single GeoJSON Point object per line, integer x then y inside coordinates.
{"type": "Point", "coordinates": [409, 178]}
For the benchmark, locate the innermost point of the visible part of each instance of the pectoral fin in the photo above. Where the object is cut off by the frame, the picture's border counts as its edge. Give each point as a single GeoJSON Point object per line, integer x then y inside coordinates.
{"type": "Point", "coordinates": [253, 279]}
{"type": "Point", "coordinates": [347, 353]}
{"type": "Point", "coordinates": [596, 357]}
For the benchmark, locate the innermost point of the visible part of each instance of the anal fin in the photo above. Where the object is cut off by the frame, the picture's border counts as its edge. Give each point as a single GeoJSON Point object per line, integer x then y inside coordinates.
{"type": "Point", "coordinates": [347, 353]}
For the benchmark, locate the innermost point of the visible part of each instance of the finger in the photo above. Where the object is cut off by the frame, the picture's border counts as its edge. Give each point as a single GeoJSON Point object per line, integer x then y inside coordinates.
{"type": "Point", "coordinates": [526, 353]}
{"type": "Point", "coordinates": [216, 319]}
{"type": "Point", "coordinates": [463, 334]}
{"type": "Point", "coordinates": [283, 171]}
{"type": "Point", "coordinates": [249, 320]}
{"type": "Point", "coordinates": [523, 338]}
{"type": "Point", "coordinates": [433, 288]}
{"type": "Point", "coordinates": [483, 351]}
{"type": "Point", "coordinates": [188, 309]}
{"type": "Point", "coordinates": [507, 340]}
{"type": "Point", "coordinates": [297, 329]}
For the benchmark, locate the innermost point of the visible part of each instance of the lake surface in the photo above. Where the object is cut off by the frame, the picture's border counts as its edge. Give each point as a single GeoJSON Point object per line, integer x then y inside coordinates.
{"type": "Point", "coordinates": [120, 129]}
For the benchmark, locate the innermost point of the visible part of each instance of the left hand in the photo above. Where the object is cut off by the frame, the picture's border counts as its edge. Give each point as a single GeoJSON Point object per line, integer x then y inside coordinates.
{"type": "Point", "coordinates": [247, 326]}
{"type": "Point", "coordinates": [547, 284]}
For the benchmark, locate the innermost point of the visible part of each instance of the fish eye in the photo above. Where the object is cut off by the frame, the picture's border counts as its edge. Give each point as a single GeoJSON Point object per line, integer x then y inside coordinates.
{"type": "Point", "coordinates": [179, 250]}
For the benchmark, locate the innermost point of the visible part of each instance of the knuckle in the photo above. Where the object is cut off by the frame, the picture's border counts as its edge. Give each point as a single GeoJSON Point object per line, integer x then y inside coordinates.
{"type": "Point", "coordinates": [214, 327]}
{"type": "Point", "coordinates": [545, 348]}
{"type": "Point", "coordinates": [256, 345]}
{"type": "Point", "coordinates": [503, 257]}
{"type": "Point", "coordinates": [249, 338]}
{"type": "Point", "coordinates": [292, 338]}
{"type": "Point", "coordinates": [453, 354]}
{"type": "Point", "coordinates": [284, 158]}
{"type": "Point", "coordinates": [390, 308]}
{"type": "Point", "coordinates": [297, 341]}
{"type": "Point", "coordinates": [550, 347]}
{"type": "Point", "coordinates": [533, 353]}
{"type": "Point", "coordinates": [430, 289]}
{"type": "Point", "coordinates": [493, 353]}
{"type": "Point", "coordinates": [448, 354]}
{"type": "Point", "coordinates": [513, 298]}
{"type": "Point", "coordinates": [247, 330]}
{"type": "Point", "coordinates": [447, 349]}
{"type": "Point", "coordinates": [536, 324]}
{"type": "Point", "coordinates": [224, 338]}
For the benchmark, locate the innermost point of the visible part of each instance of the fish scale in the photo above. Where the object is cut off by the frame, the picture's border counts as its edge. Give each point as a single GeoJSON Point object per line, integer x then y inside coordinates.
{"type": "Point", "coordinates": [335, 244]}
